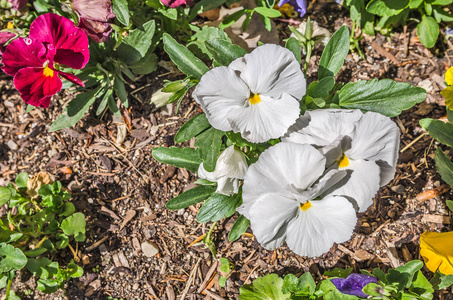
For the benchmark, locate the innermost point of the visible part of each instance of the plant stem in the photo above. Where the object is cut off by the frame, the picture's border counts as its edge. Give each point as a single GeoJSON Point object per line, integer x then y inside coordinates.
{"type": "Point", "coordinates": [207, 240]}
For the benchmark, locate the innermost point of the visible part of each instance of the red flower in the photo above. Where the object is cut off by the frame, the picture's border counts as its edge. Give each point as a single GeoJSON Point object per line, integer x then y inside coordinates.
{"type": "Point", "coordinates": [176, 3]}
{"type": "Point", "coordinates": [34, 62]}
{"type": "Point", "coordinates": [5, 36]}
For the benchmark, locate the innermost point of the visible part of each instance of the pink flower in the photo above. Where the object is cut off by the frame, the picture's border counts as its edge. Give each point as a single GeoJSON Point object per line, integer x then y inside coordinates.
{"type": "Point", "coordinates": [17, 4]}
{"type": "Point", "coordinates": [95, 18]}
{"type": "Point", "coordinates": [5, 36]}
{"type": "Point", "coordinates": [176, 3]}
{"type": "Point", "coordinates": [34, 62]}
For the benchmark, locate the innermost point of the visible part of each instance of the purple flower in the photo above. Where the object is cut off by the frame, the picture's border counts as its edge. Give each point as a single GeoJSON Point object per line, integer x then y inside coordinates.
{"type": "Point", "coordinates": [354, 284]}
{"type": "Point", "coordinates": [299, 5]}
{"type": "Point", "coordinates": [95, 18]}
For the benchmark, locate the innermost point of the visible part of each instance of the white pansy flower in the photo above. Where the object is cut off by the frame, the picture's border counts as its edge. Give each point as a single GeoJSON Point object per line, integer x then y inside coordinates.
{"type": "Point", "coordinates": [286, 199]}
{"type": "Point", "coordinates": [231, 166]}
{"type": "Point", "coordinates": [365, 145]}
{"type": "Point", "coordinates": [257, 95]}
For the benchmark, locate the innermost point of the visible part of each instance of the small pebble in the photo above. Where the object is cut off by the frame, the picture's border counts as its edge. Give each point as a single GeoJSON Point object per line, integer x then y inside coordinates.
{"type": "Point", "coordinates": [12, 145]}
{"type": "Point", "coordinates": [150, 249]}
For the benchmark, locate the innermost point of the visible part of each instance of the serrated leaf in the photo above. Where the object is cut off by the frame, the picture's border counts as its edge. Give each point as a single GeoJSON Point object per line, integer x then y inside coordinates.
{"type": "Point", "coordinates": [384, 96]}
{"type": "Point", "coordinates": [191, 197]}
{"type": "Point", "coordinates": [444, 166]}
{"type": "Point", "coordinates": [218, 206]}
{"type": "Point", "coordinates": [5, 195]}
{"type": "Point", "coordinates": [441, 131]}
{"type": "Point", "coordinates": [428, 31]}
{"type": "Point", "coordinates": [268, 287]}
{"type": "Point", "coordinates": [11, 258]}
{"type": "Point", "coordinates": [121, 11]}
{"type": "Point", "coordinates": [224, 52]}
{"type": "Point", "coordinates": [209, 143]}
{"type": "Point", "coordinates": [185, 60]}
{"type": "Point", "coordinates": [75, 225]}
{"type": "Point", "coordinates": [293, 45]}
{"type": "Point", "coordinates": [192, 128]}
{"type": "Point", "coordinates": [334, 54]}
{"type": "Point", "coordinates": [239, 227]}
{"type": "Point", "coordinates": [187, 158]}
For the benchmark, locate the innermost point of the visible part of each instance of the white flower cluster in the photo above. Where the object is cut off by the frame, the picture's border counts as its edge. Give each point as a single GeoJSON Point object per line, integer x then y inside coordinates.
{"type": "Point", "coordinates": [306, 190]}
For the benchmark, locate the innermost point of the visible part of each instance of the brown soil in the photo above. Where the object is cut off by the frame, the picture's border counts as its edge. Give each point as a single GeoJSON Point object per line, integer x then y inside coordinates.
{"type": "Point", "coordinates": [123, 191]}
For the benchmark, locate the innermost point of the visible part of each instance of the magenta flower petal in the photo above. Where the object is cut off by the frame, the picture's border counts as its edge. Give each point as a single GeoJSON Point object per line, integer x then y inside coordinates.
{"type": "Point", "coordinates": [17, 4]}
{"type": "Point", "coordinates": [97, 31]}
{"type": "Point", "coordinates": [37, 85]}
{"type": "Point", "coordinates": [22, 53]}
{"type": "Point", "coordinates": [95, 18]}
{"type": "Point", "coordinates": [176, 3]}
{"type": "Point", "coordinates": [71, 77]}
{"type": "Point", "coordinates": [64, 36]}
{"type": "Point", "coordinates": [354, 284]}
{"type": "Point", "coordinates": [5, 36]}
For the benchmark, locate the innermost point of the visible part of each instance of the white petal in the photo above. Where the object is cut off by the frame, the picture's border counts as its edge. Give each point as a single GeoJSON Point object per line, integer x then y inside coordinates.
{"type": "Point", "coordinates": [377, 138]}
{"type": "Point", "coordinates": [202, 173]}
{"type": "Point", "coordinates": [268, 119]}
{"type": "Point", "coordinates": [277, 169]}
{"type": "Point", "coordinates": [331, 178]}
{"type": "Point", "coordinates": [231, 163]}
{"type": "Point", "coordinates": [360, 185]}
{"type": "Point", "coordinates": [271, 70]}
{"type": "Point", "coordinates": [269, 217]}
{"type": "Point", "coordinates": [314, 231]}
{"type": "Point", "coordinates": [219, 91]}
{"type": "Point", "coordinates": [227, 186]}
{"type": "Point", "coordinates": [322, 127]}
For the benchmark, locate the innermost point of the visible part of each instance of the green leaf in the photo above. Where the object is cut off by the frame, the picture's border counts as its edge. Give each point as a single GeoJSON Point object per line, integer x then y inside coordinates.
{"type": "Point", "coordinates": [373, 289]}
{"type": "Point", "coordinates": [380, 275]}
{"type": "Point", "coordinates": [440, 2]}
{"type": "Point", "coordinates": [303, 286]}
{"type": "Point", "coordinates": [185, 60]}
{"type": "Point", "coordinates": [444, 166]}
{"type": "Point", "coordinates": [441, 131]}
{"type": "Point", "coordinates": [75, 110]}
{"type": "Point", "coordinates": [187, 158]}
{"type": "Point", "coordinates": [146, 64]}
{"type": "Point", "coordinates": [231, 19]}
{"type": "Point", "coordinates": [75, 225]}
{"type": "Point", "coordinates": [428, 31]}
{"type": "Point", "coordinates": [209, 143]}
{"type": "Point", "coordinates": [333, 56]}
{"type": "Point", "coordinates": [320, 89]}
{"type": "Point", "coordinates": [403, 275]}
{"type": "Point", "coordinates": [35, 252]}
{"type": "Point", "coordinates": [239, 227]}
{"type": "Point", "coordinates": [268, 287]}
{"type": "Point", "coordinates": [42, 267]}
{"type": "Point", "coordinates": [384, 96]}
{"type": "Point", "coordinates": [5, 195]}
{"type": "Point", "coordinates": [268, 12]}
{"type": "Point", "coordinates": [192, 128]}
{"type": "Point", "coordinates": [191, 197]}
{"type": "Point", "coordinates": [74, 270]}
{"type": "Point", "coordinates": [67, 209]}
{"type": "Point", "coordinates": [450, 205]}
{"type": "Point", "coordinates": [204, 5]}
{"type": "Point", "coordinates": [104, 102]}
{"type": "Point", "coordinates": [121, 11]}
{"type": "Point", "coordinates": [338, 272]}
{"type": "Point", "coordinates": [11, 258]}
{"type": "Point", "coordinates": [293, 45]}
{"type": "Point", "coordinates": [21, 180]}
{"type": "Point", "coordinates": [218, 206]}
{"type": "Point", "coordinates": [422, 287]}
{"type": "Point", "coordinates": [441, 281]}
{"type": "Point", "coordinates": [47, 286]}
{"type": "Point", "coordinates": [120, 90]}
{"type": "Point", "coordinates": [441, 15]}
{"type": "Point", "coordinates": [140, 40]}
{"type": "Point", "coordinates": [224, 52]}
{"type": "Point", "coordinates": [384, 8]}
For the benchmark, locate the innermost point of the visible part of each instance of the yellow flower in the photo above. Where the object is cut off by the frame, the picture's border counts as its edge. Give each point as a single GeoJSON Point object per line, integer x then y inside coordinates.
{"type": "Point", "coordinates": [288, 10]}
{"type": "Point", "coordinates": [447, 93]}
{"type": "Point", "coordinates": [449, 76]}
{"type": "Point", "coordinates": [437, 251]}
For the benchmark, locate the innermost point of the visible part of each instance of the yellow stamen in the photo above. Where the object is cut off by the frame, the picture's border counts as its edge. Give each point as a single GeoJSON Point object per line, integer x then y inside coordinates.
{"type": "Point", "coordinates": [48, 72]}
{"type": "Point", "coordinates": [343, 162]}
{"type": "Point", "coordinates": [305, 206]}
{"type": "Point", "coordinates": [254, 99]}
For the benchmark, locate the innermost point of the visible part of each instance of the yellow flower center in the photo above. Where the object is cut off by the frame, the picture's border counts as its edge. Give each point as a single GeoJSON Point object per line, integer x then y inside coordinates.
{"type": "Point", "coordinates": [48, 72]}
{"type": "Point", "coordinates": [254, 99]}
{"type": "Point", "coordinates": [305, 206]}
{"type": "Point", "coordinates": [343, 162]}
{"type": "Point", "coordinates": [9, 25]}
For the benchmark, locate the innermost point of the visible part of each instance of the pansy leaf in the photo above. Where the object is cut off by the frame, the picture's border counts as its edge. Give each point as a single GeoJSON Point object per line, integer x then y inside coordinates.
{"type": "Point", "coordinates": [428, 31]}
{"type": "Point", "coordinates": [120, 90]}
{"type": "Point", "coordinates": [441, 131]}
{"type": "Point", "coordinates": [239, 227]}
{"type": "Point", "coordinates": [441, 281]}
{"type": "Point", "coordinates": [47, 286]}
{"type": "Point", "coordinates": [5, 195]}
{"type": "Point", "coordinates": [75, 225]}
{"type": "Point", "coordinates": [35, 252]}
{"type": "Point", "coordinates": [303, 286]}
{"type": "Point", "coordinates": [403, 274]}
{"type": "Point", "coordinates": [450, 204]}
{"type": "Point", "coordinates": [209, 143]}
{"type": "Point", "coordinates": [334, 54]}
{"type": "Point", "coordinates": [444, 166]}
{"type": "Point", "coordinates": [192, 128]}
{"type": "Point", "coordinates": [11, 258]}
{"type": "Point", "coordinates": [293, 45]}
{"type": "Point", "coordinates": [231, 19]}
{"type": "Point", "coordinates": [385, 8]}
{"type": "Point", "coordinates": [185, 60]}
{"type": "Point", "coordinates": [121, 11]}
{"type": "Point", "coordinates": [268, 12]}
{"type": "Point", "coordinates": [224, 52]}
{"type": "Point", "coordinates": [320, 89]}
{"type": "Point", "coordinates": [138, 42]}
{"type": "Point", "coordinates": [338, 272]}
{"type": "Point", "coordinates": [146, 64]}
{"type": "Point", "coordinates": [384, 96]}
{"type": "Point", "coordinates": [204, 5]}
{"type": "Point", "coordinates": [21, 180]}
{"type": "Point", "coordinates": [42, 267]}
{"type": "Point", "coordinates": [187, 158]}
{"type": "Point", "coordinates": [421, 286]}
{"type": "Point", "coordinates": [191, 197]}
{"type": "Point", "coordinates": [218, 206]}
{"type": "Point", "coordinates": [373, 289]}
{"type": "Point", "coordinates": [268, 287]}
